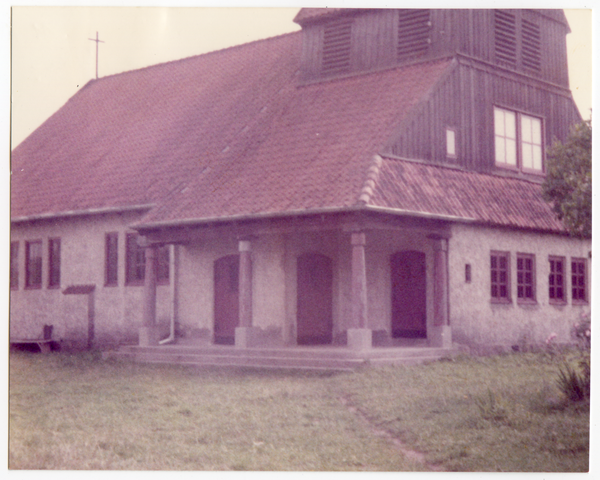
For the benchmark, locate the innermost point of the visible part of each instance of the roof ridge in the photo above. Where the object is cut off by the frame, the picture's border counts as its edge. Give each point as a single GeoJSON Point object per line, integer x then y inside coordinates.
{"type": "Point", "coordinates": [366, 192]}
{"type": "Point", "coordinates": [191, 57]}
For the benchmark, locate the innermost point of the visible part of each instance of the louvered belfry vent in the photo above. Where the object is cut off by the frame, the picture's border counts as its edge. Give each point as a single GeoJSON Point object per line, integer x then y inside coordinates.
{"type": "Point", "coordinates": [531, 45]}
{"type": "Point", "coordinates": [414, 30]}
{"type": "Point", "coordinates": [505, 40]}
{"type": "Point", "coordinates": [337, 47]}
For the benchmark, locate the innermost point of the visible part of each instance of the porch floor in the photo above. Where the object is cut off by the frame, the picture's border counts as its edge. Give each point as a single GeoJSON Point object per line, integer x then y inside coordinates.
{"type": "Point", "coordinates": [318, 357]}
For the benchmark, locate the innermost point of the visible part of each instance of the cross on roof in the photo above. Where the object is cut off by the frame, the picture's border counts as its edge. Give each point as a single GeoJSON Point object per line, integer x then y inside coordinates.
{"type": "Point", "coordinates": [97, 42]}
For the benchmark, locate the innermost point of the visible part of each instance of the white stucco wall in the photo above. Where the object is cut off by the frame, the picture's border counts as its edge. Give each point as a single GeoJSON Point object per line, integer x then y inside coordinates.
{"type": "Point", "coordinates": [475, 320]}
{"type": "Point", "coordinates": [117, 309]}
{"type": "Point", "coordinates": [195, 303]}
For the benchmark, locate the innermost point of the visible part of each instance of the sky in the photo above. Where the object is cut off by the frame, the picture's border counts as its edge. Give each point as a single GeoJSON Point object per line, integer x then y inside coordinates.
{"type": "Point", "coordinates": [53, 56]}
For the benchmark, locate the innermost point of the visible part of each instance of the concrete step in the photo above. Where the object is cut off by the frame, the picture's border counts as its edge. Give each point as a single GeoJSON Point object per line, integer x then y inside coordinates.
{"type": "Point", "coordinates": [317, 358]}
{"type": "Point", "coordinates": [294, 352]}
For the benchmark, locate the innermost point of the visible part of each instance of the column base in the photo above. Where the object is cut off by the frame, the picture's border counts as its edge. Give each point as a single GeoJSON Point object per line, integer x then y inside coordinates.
{"type": "Point", "coordinates": [247, 337]}
{"type": "Point", "coordinates": [149, 336]}
{"type": "Point", "coordinates": [441, 336]}
{"type": "Point", "coordinates": [360, 338]}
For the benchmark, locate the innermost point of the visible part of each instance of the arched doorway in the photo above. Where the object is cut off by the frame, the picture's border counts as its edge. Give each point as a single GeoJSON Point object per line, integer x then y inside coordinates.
{"type": "Point", "coordinates": [226, 282]}
{"type": "Point", "coordinates": [409, 305]}
{"type": "Point", "coordinates": [314, 317]}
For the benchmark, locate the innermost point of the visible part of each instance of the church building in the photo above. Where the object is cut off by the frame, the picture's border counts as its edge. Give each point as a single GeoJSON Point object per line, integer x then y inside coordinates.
{"type": "Point", "coordinates": [373, 180]}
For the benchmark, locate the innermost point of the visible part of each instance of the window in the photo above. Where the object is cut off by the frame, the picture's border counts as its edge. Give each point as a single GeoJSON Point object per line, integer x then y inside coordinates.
{"type": "Point", "coordinates": [531, 143]}
{"type": "Point", "coordinates": [162, 264]}
{"type": "Point", "coordinates": [518, 141]}
{"type": "Point", "coordinates": [556, 280]}
{"type": "Point", "coordinates": [450, 142]}
{"type": "Point", "coordinates": [111, 262]}
{"type": "Point", "coordinates": [525, 277]}
{"type": "Point", "coordinates": [54, 263]}
{"type": "Point", "coordinates": [135, 265]}
{"type": "Point", "coordinates": [14, 265]}
{"type": "Point", "coordinates": [505, 131]}
{"type": "Point", "coordinates": [500, 276]}
{"type": "Point", "coordinates": [467, 273]}
{"type": "Point", "coordinates": [578, 280]}
{"type": "Point", "coordinates": [33, 264]}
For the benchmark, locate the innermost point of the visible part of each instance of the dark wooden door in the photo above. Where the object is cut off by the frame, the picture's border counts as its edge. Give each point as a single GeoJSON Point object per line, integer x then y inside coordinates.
{"type": "Point", "coordinates": [409, 307]}
{"type": "Point", "coordinates": [315, 317]}
{"type": "Point", "coordinates": [226, 276]}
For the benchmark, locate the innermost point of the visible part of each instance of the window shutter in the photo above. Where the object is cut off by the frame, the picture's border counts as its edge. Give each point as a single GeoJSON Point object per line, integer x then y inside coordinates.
{"type": "Point", "coordinates": [531, 45]}
{"type": "Point", "coordinates": [505, 40]}
{"type": "Point", "coordinates": [336, 47]}
{"type": "Point", "coordinates": [414, 29]}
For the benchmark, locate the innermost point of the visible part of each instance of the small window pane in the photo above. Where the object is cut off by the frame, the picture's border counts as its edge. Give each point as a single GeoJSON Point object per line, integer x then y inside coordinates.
{"type": "Point", "coordinates": [54, 262]}
{"type": "Point", "coordinates": [499, 122]}
{"type": "Point", "coordinates": [511, 129]}
{"type": "Point", "coordinates": [33, 264]}
{"type": "Point", "coordinates": [499, 276]}
{"type": "Point", "coordinates": [536, 134]}
{"type": "Point", "coordinates": [450, 142]}
{"type": "Point", "coordinates": [525, 277]}
{"type": "Point", "coordinates": [527, 156]}
{"type": "Point", "coordinates": [511, 152]}
{"type": "Point", "coordinates": [135, 266]}
{"type": "Point", "coordinates": [500, 150]}
{"type": "Point", "coordinates": [526, 128]}
{"type": "Point", "coordinates": [111, 259]}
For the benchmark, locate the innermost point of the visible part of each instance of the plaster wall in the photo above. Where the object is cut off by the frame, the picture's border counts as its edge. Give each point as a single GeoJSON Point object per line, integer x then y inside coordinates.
{"type": "Point", "coordinates": [477, 321]}
{"type": "Point", "coordinates": [118, 312]}
{"type": "Point", "coordinates": [195, 303]}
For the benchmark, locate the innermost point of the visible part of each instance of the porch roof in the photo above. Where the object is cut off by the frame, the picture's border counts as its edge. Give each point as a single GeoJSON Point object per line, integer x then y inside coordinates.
{"type": "Point", "coordinates": [440, 190]}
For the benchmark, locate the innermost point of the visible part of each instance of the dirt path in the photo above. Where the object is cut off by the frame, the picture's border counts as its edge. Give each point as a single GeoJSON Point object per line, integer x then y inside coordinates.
{"type": "Point", "coordinates": [409, 453]}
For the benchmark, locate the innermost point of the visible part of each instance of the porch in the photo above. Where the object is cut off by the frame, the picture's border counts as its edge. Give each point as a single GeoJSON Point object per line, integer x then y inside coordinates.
{"type": "Point", "coordinates": [361, 281]}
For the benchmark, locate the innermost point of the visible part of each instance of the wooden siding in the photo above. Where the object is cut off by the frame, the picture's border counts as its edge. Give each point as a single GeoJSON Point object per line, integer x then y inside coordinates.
{"type": "Point", "coordinates": [375, 45]}
{"type": "Point", "coordinates": [465, 100]}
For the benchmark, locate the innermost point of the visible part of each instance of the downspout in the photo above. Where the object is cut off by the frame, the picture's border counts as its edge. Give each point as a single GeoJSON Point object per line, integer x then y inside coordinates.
{"type": "Point", "coordinates": [173, 291]}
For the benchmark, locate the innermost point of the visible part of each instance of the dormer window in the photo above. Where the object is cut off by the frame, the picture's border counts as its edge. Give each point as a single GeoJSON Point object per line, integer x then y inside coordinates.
{"type": "Point", "coordinates": [518, 141]}
{"type": "Point", "coordinates": [337, 37]}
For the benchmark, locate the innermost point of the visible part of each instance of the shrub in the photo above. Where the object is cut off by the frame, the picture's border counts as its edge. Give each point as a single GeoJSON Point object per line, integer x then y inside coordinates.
{"type": "Point", "coordinates": [574, 385]}
{"type": "Point", "coordinates": [575, 382]}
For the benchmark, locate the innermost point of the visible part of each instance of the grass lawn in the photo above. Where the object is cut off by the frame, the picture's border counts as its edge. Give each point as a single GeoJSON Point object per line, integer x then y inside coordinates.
{"type": "Point", "coordinates": [75, 411]}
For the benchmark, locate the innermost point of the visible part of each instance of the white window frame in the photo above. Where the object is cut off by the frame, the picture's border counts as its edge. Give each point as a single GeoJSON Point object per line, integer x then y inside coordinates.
{"type": "Point", "coordinates": [451, 142]}
{"type": "Point", "coordinates": [518, 141]}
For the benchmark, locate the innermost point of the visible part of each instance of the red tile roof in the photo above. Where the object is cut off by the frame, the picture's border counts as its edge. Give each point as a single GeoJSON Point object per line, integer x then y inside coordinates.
{"type": "Point", "coordinates": [483, 198]}
{"type": "Point", "coordinates": [233, 133]}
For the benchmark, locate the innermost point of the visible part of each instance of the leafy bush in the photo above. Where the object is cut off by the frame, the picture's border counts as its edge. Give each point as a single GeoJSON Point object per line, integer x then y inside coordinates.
{"type": "Point", "coordinates": [575, 382]}
{"type": "Point", "coordinates": [574, 385]}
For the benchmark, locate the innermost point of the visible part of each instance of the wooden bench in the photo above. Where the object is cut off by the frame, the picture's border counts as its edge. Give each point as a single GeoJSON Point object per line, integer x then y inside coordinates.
{"type": "Point", "coordinates": [44, 344]}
